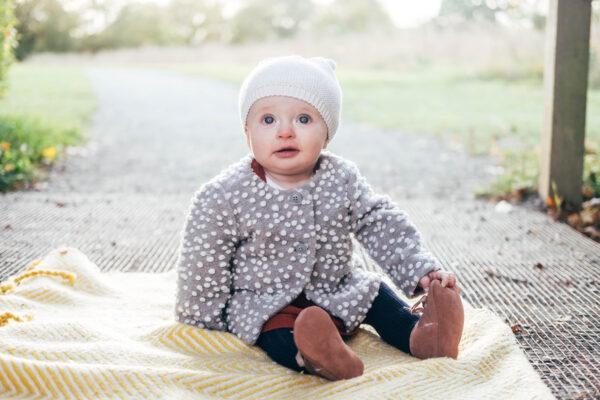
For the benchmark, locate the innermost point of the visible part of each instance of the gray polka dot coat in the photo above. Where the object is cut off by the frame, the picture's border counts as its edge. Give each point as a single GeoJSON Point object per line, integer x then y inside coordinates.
{"type": "Point", "coordinates": [249, 249]}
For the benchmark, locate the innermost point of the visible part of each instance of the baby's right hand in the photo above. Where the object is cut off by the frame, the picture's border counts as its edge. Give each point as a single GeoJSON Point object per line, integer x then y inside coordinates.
{"type": "Point", "coordinates": [448, 279]}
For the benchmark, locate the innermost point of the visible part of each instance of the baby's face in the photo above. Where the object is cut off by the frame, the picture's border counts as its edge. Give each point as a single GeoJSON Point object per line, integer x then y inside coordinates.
{"type": "Point", "coordinates": [286, 136]}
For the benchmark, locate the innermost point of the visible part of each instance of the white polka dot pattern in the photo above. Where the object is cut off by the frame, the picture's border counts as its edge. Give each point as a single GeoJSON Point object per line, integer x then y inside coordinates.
{"type": "Point", "coordinates": [249, 249]}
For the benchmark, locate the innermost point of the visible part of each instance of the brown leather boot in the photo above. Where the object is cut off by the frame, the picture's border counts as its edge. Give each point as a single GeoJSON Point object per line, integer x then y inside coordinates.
{"type": "Point", "coordinates": [438, 332]}
{"type": "Point", "coordinates": [322, 348]}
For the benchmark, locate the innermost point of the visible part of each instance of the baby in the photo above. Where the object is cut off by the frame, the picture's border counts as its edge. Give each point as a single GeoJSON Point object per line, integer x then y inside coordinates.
{"type": "Point", "coordinates": [267, 251]}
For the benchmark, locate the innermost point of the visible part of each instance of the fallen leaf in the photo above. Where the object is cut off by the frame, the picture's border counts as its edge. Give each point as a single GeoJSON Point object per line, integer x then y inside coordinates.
{"type": "Point", "coordinates": [520, 193]}
{"type": "Point", "coordinates": [575, 221]}
{"type": "Point", "coordinates": [592, 232]}
{"type": "Point", "coordinates": [516, 329]}
{"type": "Point", "coordinates": [492, 273]}
{"type": "Point", "coordinates": [60, 204]}
{"type": "Point", "coordinates": [566, 318]}
{"type": "Point", "coordinates": [590, 215]}
{"type": "Point", "coordinates": [498, 275]}
{"type": "Point", "coordinates": [539, 265]}
{"type": "Point", "coordinates": [588, 191]}
{"type": "Point", "coordinates": [595, 202]}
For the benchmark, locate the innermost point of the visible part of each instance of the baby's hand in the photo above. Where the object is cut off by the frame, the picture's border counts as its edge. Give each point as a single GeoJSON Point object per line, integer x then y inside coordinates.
{"type": "Point", "coordinates": [448, 279]}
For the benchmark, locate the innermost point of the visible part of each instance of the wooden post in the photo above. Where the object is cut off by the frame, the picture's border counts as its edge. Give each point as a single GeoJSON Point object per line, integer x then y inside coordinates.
{"type": "Point", "coordinates": [565, 86]}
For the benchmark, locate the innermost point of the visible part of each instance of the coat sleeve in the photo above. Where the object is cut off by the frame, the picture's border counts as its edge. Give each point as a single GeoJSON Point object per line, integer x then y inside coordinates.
{"type": "Point", "coordinates": [387, 235]}
{"type": "Point", "coordinates": [203, 268]}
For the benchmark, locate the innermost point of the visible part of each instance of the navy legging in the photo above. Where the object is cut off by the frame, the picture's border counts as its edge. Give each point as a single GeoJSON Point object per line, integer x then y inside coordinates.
{"type": "Point", "coordinates": [387, 315]}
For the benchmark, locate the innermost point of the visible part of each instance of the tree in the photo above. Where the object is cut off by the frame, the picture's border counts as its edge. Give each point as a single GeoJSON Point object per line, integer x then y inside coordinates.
{"type": "Point", "coordinates": [196, 21]}
{"type": "Point", "coordinates": [7, 39]}
{"type": "Point", "coordinates": [346, 16]}
{"type": "Point", "coordinates": [44, 25]}
{"type": "Point", "coordinates": [137, 24]}
{"type": "Point", "coordinates": [269, 19]}
{"type": "Point", "coordinates": [517, 11]}
{"type": "Point", "coordinates": [469, 9]}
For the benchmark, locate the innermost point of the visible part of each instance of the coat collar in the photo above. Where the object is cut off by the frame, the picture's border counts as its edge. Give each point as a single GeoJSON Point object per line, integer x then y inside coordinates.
{"type": "Point", "coordinates": [258, 173]}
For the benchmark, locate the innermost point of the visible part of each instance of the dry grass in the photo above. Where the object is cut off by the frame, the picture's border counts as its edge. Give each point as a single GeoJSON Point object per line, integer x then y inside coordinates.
{"type": "Point", "coordinates": [473, 46]}
{"type": "Point", "coordinates": [486, 51]}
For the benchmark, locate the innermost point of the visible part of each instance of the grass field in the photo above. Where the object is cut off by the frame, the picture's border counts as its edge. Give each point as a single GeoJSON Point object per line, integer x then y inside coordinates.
{"type": "Point", "coordinates": [56, 93]}
{"type": "Point", "coordinates": [45, 108]}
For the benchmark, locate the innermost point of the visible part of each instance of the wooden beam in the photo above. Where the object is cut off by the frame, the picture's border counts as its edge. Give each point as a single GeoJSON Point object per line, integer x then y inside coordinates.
{"type": "Point", "coordinates": [565, 86]}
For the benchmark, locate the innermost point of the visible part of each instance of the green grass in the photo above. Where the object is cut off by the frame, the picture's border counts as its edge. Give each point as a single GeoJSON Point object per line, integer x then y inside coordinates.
{"type": "Point", "coordinates": [485, 115]}
{"type": "Point", "coordinates": [474, 112]}
{"type": "Point", "coordinates": [57, 93]}
{"type": "Point", "coordinates": [44, 110]}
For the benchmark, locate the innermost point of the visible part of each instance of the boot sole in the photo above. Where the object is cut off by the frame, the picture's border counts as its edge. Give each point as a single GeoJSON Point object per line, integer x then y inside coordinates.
{"type": "Point", "coordinates": [320, 343]}
{"type": "Point", "coordinates": [440, 328]}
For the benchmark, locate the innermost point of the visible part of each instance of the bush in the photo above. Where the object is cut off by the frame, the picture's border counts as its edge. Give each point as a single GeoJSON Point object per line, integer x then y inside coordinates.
{"type": "Point", "coordinates": [28, 145]}
{"type": "Point", "coordinates": [7, 39]}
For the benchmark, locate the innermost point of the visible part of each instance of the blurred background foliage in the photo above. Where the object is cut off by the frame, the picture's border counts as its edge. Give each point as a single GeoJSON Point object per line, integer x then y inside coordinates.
{"type": "Point", "coordinates": [7, 39]}
{"type": "Point", "coordinates": [50, 26]}
{"type": "Point", "coordinates": [94, 25]}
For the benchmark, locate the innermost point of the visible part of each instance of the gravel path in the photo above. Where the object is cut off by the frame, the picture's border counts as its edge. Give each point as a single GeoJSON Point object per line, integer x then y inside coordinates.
{"type": "Point", "coordinates": [157, 136]}
{"type": "Point", "coordinates": [161, 132]}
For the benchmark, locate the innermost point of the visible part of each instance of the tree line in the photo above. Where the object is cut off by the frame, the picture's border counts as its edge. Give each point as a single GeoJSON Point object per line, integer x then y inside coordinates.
{"type": "Point", "coordinates": [48, 25]}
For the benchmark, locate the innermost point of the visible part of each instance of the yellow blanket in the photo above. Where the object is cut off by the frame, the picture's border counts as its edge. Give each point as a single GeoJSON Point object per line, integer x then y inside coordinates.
{"type": "Point", "coordinates": [85, 334]}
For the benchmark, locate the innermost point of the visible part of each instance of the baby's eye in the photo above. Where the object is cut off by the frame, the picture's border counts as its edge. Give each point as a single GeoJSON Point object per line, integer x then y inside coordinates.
{"type": "Point", "coordinates": [268, 119]}
{"type": "Point", "coordinates": [304, 119]}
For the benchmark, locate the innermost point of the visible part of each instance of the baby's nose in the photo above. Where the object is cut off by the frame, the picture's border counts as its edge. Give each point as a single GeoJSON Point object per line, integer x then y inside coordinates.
{"type": "Point", "coordinates": [286, 130]}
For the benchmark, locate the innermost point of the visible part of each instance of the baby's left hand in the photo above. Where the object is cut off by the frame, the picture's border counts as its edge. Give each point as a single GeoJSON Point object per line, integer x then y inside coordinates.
{"type": "Point", "coordinates": [448, 279]}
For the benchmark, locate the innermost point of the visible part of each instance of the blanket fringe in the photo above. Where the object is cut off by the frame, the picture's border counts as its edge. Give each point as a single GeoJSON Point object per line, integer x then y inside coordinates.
{"type": "Point", "coordinates": [30, 272]}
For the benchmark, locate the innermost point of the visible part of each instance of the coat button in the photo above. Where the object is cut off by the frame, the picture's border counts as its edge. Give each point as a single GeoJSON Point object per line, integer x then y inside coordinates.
{"type": "Point", "coordinates": [295, 198]}
{"type": "Point", "coordinates": [301, 248]}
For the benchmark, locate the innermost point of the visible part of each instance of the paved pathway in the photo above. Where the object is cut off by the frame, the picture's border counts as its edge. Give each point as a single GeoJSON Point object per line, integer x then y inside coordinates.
{"type": "Point", "coordinates": [157, 136]}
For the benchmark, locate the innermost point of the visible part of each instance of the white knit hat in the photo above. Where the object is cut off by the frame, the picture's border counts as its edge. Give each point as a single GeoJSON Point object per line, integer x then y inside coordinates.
{"type": "Point", "coordinates": [310, 79]}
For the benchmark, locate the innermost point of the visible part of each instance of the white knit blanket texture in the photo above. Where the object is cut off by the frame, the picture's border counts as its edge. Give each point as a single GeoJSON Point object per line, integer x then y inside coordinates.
{"type": "Point", "coordinates": [113, 336]}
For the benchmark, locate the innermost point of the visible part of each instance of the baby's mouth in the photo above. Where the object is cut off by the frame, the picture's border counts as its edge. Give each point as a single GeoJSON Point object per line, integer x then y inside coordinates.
{"type": "Point", "coordinates": [286, 152]}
